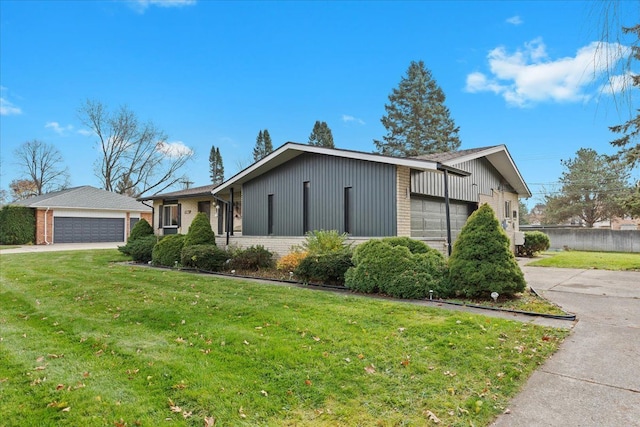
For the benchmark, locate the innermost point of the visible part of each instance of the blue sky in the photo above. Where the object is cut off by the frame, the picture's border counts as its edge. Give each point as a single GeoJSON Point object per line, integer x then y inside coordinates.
{"type": "Point", "coordinates": [215, 73]}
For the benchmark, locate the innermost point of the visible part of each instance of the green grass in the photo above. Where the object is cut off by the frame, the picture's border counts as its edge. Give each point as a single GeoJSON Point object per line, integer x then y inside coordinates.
{"type": "Point", "coordinates": [596, 260]}
{"type": "Point", "coordinates": [84, 341]}
{"type": "Point", "coordinates": [525, 301]}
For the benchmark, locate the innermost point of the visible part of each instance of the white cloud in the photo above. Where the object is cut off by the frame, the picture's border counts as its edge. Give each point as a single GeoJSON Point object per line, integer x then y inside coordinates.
{"type": "Point", "coordinates": [142, 5]}
{"type": "Point", "coordinates": [84, 132]}
{"type": "Point", "coordinates": [174, 149]}
{"type": "Point", "coordinates": [347, 119]}
{"type": "Point", "coordinates": [528, 76]}
{"type": "Point", "coordinates": [60, 130]}
{"type": "Point", "coordinates": [514, 20]}
{"type": "Point", "coordinates": [6, 107]}
{"type": "Point", "coordinates": [617, 84]}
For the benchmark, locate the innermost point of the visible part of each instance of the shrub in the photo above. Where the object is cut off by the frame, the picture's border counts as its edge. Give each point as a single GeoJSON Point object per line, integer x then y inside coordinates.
{"type": "Point", "coordinates": [140, 230]}
{"type": "Point", "coordinates": [291, 261]}
{"type": "Point", "coordinates": [534, 242]}
{"type": "Point", "coordinates": [395, 270]}
{"type": "Point", "coordinates": [325, 241]}
{"type": "Point", "coordinates": [141, 249]}
{"type": "Point", "coordinates": [168, 250]}
{"type": "Point", "coordinates": [204, 257]}
{"type": "Point", "coordinates": [200, 232]}
{"type": "Point", "coordinates": [252, 258]}
{"type": "Point", "coordinates": [17, 225]}
{"type": "Point", "coordinates": [481, 261]}
{"type": "Point", "coordinates": [327, 268]}
{"type": "Point", "coordinates": [414, 246]}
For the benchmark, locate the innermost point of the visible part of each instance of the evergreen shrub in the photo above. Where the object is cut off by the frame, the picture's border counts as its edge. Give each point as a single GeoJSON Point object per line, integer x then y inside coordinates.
{"type": "Point", "coordinates": [325, 241]}
{"type": "Point", "coordinates": [141, 249]}
{"type": "Point", "coordinates": [200, 232]}
{"type": "Point", "coordinates": [17, 225]}
{"type": "Point", "coordinates": [204, 257]}
{"type": "Point", "coordinates": [168, 250]}
{"type": "Point", "coordinates": [252, 258]}
{"type": "Point", "coordinates": [414, 246]}
{"type": "Point", "coordinates": [534, 242]}
{"type": "Point", "coordinates": [139, 230]}
{"type": "Point", "coordinates": [481, 261]}
{"type": "Point", "coordinates": [327, 268]}
{"type": "Point", "coordinates": [396, 271]}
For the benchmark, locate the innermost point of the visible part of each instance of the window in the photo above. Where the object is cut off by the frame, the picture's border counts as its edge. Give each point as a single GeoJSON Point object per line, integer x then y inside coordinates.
{"type": "Point", "coordinates": [305, 207]}
{"type": "Point", "coordinates": [170, 216]}
{"type": "Point", "coordinates": [347, 209]}
{"type": "Point", "coordinates": [507, 209]}
{"type": "Point", "coordinates": [270, 214]}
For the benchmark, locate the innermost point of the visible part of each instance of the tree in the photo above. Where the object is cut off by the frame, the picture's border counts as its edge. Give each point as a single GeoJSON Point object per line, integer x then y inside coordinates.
{"type": "Point", "coordinates": [41, 164]}
{"type": "Point", "coordinates": [23, 189]}
{"type": "Point", "coordinates": [263, 145]}
{"type": "Point", "coordinates": [482, 261]}
{"type": "Point", "coordinates": [591, 188]}
{"type": "Point", "coordinates": [417, 121]}
{"type": "Point", "coordinates": [523, 213]}
{"type": "Point", "coordinates": [321, 135]}
{"type": "Point", "coordinates": [216, 168]}
{"type": "Point", "coordinates": [135, 157]}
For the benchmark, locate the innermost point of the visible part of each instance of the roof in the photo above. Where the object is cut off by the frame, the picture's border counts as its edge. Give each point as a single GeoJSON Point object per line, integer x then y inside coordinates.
{"type": "Point", "coordinates": [204, 190]}
{"type": "Point", "coordinates": [84, 197]}
{"type": "Point", "coordinates": [291, 150]}
{"type": "Point", "coordinates": [497, 155]}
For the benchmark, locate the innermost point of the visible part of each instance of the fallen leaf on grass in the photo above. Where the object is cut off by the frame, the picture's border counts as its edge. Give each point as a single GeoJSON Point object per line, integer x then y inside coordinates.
{"type": "Point", "coordinates": [186, 414]}
{"type": "Point", "coordinates": [431, 416]}
{"type": "Point", "coordinates": [370, 369]}
{"type": "Point", "coordinates": [316, 339]}
{"type": "Point", "coordinates": [40, 368]}
{"type": "Point", "coordinates": [209, 422]}
{"type": "Point", "coordinates": [308, 382]}
{"type": "Point", "coordinates": [264, 393]}
{"type": "Point", "coordinates": [59, 387]}
{"type": "Point", "coordinates": [241, 413]}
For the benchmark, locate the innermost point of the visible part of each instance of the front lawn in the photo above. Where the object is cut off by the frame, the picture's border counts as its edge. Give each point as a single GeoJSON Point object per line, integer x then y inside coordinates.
{"type": "Point", "coordinates": [84, 341]}
{"type": "Point", "coordinates": [598, 260]}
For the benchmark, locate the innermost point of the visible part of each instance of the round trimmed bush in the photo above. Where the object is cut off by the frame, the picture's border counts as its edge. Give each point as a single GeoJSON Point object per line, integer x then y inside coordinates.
{"type": "Point", "coordinates": [291, 261]}
{"type": "Point", "coordinates": [481, 261]}
{"type": "Point", "coordinates": [168, 250]}
{"type": "Point", "coordinates": [252, 258]}
{"type": "Point", "coordinates": [534, 242]}
{"type": "Point", "coordinates": [204, 257]}
{"type": "Point", "coordinates": [328, 268]}
{"type": "Point", "coordinates": [141, 229]}
{"type": "Point", "coordinates": [200, 232]}
{"type": "Point", "coordinates": [414, 246]}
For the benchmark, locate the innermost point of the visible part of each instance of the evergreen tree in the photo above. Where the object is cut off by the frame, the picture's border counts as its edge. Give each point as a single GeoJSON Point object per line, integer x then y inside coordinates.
{"type": "Point", "coordinates": [263, 145]}
{"type": "Point", "coordinates": [482, 261]}
{"type": "Point", "coordinates": [216, 168]}
{"type": "Point", "coordinates": [321, 135]}
{"type": "Point", "coordinates": [417, 121]}
{"type": "Point", "coordinates": [591, 188]}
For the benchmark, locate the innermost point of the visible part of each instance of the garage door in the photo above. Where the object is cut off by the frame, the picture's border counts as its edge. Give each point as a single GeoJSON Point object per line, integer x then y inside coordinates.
{"type": "Point", "coordinates": [428, 217]}
{"type": "Point", "coordinates": [87, 230]}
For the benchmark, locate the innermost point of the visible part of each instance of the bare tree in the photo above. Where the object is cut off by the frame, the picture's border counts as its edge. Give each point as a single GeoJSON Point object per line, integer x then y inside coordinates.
{"type": "Point", "coordinates": [135, 156]}
{"type": "Point", "coordinates": [23, 189]}
{"type": "Point", "coordinates": [42, 164]}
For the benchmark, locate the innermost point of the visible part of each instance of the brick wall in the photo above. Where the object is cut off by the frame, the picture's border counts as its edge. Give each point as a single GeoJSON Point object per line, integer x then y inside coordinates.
{"type": "Point", "coordinates": [41, 238]}
{"type": "Point", "coordinates": [403, 201]}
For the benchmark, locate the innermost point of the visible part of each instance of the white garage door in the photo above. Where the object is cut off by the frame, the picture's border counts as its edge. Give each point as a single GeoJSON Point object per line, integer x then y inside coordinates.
{"type": "Point", "coordinates": [87, 230]}
{"type": "Point", "coordinates": [428, 217]}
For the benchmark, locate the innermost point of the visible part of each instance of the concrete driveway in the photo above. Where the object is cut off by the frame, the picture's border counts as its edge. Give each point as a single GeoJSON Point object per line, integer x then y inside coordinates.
{"type": "Point", "coordinates": [61, 247]}
{"type": "Point", "coordinates": [594, 379]}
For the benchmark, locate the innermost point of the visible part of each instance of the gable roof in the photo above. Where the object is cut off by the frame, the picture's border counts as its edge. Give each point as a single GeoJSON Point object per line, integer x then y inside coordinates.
{"type": "Point", "coordinates": [84, 197]}
{"type": "Point", "coordinates": [291, 150]}
{"type": "Point", "coordinates": [203, 190]}
{"type": "Point", "coordinates": [497, 155]}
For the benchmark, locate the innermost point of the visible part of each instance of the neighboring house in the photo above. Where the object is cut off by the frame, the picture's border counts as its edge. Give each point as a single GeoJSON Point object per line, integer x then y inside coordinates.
{"type": "Point", "coordinates": [299, 188]}
{"type": "Point", "coordinates": [84, 215]}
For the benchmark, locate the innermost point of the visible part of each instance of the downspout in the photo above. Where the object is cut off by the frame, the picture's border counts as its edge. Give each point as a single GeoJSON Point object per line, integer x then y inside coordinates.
{"type": "Point", "coordinates": [45, 227]}
{"type": "Point", "coordinates": [447, 213]}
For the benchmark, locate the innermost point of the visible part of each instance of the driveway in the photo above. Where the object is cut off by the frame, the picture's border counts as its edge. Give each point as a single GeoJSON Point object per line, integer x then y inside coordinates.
{"type": "Point", "coordinates": [61, 247]}
{"type": "Point", "coordinates": [594, 379]}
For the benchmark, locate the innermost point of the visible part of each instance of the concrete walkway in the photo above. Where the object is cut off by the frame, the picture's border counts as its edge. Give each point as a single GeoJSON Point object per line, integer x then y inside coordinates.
{"type": "Point", "coordinates": [594, 379]}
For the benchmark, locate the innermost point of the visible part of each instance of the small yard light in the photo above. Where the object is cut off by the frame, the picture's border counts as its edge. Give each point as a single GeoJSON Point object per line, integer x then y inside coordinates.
{"type": "Point", "coordinates": [291, 275]}
{"type": "Point", "coordinates": [175, 264]}
{"type": "Point", "coordinates": [430, 294]}
{"type": "Point", "coordinates": [233, 272]}
{"type": "Point", "coordinates": [495, 296]}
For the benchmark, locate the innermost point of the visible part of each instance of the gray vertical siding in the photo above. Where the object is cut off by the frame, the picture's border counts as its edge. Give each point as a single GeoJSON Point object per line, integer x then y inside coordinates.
{"type": "Point", "coordinates": [373, 197]}
{"type": "Point", "coordinates": [483, 174]}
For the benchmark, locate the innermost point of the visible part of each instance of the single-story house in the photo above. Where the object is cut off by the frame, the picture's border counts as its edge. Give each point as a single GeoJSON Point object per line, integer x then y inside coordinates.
{"type": "Point", "coordinates": [298, 188]}
{"type": "Point", "coordinates": [84, 215]}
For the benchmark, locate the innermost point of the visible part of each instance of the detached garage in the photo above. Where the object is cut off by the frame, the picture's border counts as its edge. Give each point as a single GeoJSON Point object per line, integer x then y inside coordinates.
{"type": "Point", "coordinates": [85, 215]}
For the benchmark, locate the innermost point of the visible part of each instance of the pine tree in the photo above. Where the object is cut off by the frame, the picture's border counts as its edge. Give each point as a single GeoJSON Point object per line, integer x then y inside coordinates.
{"type": "Point", "coordinates": [216, 168]}
{"type": "Point", "coordinates": [263, 145]}
{"type": "Point", "coordinates": [321, 135]}
{"type": "Point", "coordinates": [417, 121]}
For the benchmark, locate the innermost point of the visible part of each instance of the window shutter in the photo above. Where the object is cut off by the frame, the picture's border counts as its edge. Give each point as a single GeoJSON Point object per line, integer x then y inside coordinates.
{"type": "Point", "coordinates": [160, 210]}
{"type": "Point", "coordinates": [179, 214]}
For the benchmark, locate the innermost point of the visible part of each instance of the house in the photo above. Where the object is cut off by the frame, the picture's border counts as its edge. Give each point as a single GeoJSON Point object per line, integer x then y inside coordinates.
{"type": "Point", "coordinates": [298, 188]}
{"type": "Point", "coordinates": [84, 215]}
